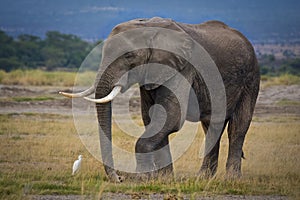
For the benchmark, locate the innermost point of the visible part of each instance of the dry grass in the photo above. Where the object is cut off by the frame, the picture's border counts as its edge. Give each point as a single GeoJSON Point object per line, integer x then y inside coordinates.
{"type": "Point", "coordinates": [58, 78]}
{"type": "Point", "coordinates": [44, 78]}
{"type": "Point", "coordinates": [285, 79]}
{"type": "Point", "coordinates": [37, 152]}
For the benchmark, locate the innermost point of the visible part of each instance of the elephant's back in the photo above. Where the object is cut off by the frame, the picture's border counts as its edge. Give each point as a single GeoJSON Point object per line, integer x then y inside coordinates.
{"type": "Point", "coordinates": [232, 53]}
{"type": "Point", "coordinates": [229, 48]}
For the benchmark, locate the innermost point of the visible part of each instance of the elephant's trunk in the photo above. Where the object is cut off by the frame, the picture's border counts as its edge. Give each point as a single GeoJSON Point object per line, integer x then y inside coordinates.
{"type": "Point", "coordinates": [104, 121]}
{"type": "Point", "coordinates": [104, 115]}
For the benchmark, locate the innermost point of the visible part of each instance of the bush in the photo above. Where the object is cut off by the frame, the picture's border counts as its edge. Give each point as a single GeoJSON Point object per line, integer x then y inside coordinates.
{"type": "Point", "coordinates": [8, 64]}
{"type": "Point", "coordinates": [57, 50]}
{"type": "Point", "coordinates": [288, 66]}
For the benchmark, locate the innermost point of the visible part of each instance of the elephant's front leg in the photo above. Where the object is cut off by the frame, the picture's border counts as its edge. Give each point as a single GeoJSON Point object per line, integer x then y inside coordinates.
{"type": "Point", "coordinates": [153, 156]}
{"type": "Point", "coordinates": [162, 157]}
{"type": "Point", "coordinates": [161, 118]}
{"type": "Point", "coordinates": [157, 164]}
{"type": "Point", "coordinates": [163, 160]}
{"type": "Point", "coordinates": [152, 149]}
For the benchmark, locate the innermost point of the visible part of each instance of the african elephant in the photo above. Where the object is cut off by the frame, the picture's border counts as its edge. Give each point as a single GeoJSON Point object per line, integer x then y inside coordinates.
{"type": "Point", "coordinates": [231, 53]}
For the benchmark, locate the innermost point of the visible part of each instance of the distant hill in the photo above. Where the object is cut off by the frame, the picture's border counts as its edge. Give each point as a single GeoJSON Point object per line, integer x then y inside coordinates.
{"type": "Point", "coordinates": [259, 20]}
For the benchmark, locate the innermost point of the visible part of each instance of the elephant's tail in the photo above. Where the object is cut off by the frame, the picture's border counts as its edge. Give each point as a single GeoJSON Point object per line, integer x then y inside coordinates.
{"type": "Point", "coordinates": [243, 156]}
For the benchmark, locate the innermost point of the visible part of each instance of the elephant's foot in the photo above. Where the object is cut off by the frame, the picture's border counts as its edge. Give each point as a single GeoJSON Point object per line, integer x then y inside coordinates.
{"type": "Point", "coordinates": [233, 175]}
{"type": "Point", "coordinates": [155, 173]}
{"type": "Point", "coordinates": [165, 173]}
{"type": "Point", "coordinates": [233, 170]}
{"type": "Point", "coordinates": [161, 175]}
{"type": "Point", "coordinates": [206, 173]}
{"type": "Point", "coordinates": [134, 177]}
{"type": "Point", "coordinates": [208, 168]}
{"type": "Point", "coordinates": [150, 176]}
{"type": "Point", "coordinates": [143, 177]}
{"type": "Point", "coordinates": [114, 177]}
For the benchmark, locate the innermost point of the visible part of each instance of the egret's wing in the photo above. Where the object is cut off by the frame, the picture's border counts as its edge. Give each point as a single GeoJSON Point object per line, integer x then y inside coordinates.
{"type": "Point", "coordinates": [76, 166]}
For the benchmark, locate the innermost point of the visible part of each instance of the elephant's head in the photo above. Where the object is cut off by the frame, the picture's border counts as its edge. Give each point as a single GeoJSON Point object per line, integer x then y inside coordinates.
{"type": "Point", "coordinates": [132, 45]}
{"type": "Point", "coordinates": [130, 55]}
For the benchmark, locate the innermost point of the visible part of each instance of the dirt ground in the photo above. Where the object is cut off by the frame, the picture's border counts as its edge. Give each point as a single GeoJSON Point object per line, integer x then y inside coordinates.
{"type": "Point", "coordinates": [119, 196]}
{"type": "Point", "coordinates": [270, 98]}
{"type": "Point", "coordinates": [273, 101]}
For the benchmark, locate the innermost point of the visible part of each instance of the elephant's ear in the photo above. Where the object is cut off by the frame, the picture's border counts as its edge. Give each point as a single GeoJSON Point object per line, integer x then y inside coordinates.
{"type": "Point", "coordinates": [169, 56]}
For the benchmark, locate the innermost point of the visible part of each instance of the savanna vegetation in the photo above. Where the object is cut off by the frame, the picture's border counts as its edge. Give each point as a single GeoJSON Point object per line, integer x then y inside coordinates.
{"type": "Point", "coordinates": [65, 52]}
{"type": "Point", "coordinates": [55, 51]}
{"type": "Point", "coordinates": [270, 66]}
{"type": "Point", "coordinates": [39, 77]}
{"type": "Point", "coordinates": [37, 150]}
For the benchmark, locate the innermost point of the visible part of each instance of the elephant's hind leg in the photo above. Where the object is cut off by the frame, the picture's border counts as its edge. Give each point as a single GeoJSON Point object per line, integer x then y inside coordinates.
{"type": "Point", "coordinates": [210, 161]}
{"type": "Point", "coordinates": [237, 129]}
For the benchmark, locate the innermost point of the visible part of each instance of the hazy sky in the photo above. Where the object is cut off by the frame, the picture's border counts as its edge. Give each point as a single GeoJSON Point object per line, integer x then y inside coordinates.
{"type": "Point", "coordinates": [91, 18]}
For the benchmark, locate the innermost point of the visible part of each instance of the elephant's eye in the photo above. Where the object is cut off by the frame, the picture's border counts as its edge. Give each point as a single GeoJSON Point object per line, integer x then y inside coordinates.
{"type": "Point", "coordinates": [128, 55]}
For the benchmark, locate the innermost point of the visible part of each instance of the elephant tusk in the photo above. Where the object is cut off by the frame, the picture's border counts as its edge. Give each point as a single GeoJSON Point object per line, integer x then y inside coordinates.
{"type": "Point", "coordinates": [115, 91]}
{"type": "Point", "coordinates": [84, 93]}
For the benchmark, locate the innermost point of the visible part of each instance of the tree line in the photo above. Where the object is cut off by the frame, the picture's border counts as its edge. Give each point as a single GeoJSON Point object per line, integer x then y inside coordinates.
{"type": "Point", "coordinates": [67, 51]}
{"type": "Point", "coordinates": [57, 50]}
{"type": "Point", "coordinates": [271, 66]}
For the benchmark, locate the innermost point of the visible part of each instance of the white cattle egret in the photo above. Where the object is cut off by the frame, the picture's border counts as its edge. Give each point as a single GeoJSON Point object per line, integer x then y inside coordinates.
{"type": "Point", "coordinates": [77, 164]}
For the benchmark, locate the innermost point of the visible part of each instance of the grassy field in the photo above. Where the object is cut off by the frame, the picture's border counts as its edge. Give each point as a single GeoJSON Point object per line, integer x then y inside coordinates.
{"type": "Point", "coordinates": [56, 78]}
{"type": "Point", "coordinates": [45, 78]}
{"type": "Point", "coordinates": [285, 79]}
{"type": "Point", "coordinates": [37, 152]}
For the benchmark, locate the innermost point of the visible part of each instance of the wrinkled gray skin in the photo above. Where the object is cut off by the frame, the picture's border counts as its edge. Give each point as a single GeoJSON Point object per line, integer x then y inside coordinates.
{"type": "Point", "coordinates": [235, 58]}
